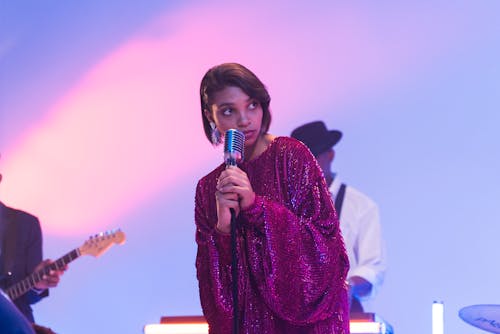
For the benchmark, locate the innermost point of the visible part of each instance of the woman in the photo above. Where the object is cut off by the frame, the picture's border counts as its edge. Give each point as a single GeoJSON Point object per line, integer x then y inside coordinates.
{"type": "Point", "coordinates": [292, 263]}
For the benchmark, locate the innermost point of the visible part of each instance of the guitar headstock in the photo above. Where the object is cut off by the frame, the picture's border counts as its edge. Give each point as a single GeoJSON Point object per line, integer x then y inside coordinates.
{"type": "Point", "coordinates": [100, 243]}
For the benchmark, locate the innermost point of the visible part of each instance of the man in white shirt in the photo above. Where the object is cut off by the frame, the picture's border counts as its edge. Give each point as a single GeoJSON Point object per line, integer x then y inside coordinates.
{"type": "Point", "coordinates": [358, 215]}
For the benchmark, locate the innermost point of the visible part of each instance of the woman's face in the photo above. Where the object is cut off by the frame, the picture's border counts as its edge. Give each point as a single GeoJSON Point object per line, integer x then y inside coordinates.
{"type": "Point", "coordinates": [233, 109]}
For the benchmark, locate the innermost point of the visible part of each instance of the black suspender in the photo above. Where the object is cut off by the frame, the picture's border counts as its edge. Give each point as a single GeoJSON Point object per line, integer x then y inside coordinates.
{"type": "Point", "coordinates": [339, 199]}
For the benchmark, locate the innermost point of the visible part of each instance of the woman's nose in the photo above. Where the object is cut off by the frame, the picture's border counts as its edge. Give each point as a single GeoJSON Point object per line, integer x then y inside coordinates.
{"type": "Point", "coordinates": [243, 120]}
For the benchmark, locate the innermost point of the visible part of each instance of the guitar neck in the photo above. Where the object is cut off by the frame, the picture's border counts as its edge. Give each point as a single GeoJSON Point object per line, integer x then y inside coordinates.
{"type": "Point", "coordinates": [20, 288]}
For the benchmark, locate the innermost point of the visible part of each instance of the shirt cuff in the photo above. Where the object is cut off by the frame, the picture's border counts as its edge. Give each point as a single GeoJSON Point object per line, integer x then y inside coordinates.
{"type": "Point", "coordinates": [38, 291]}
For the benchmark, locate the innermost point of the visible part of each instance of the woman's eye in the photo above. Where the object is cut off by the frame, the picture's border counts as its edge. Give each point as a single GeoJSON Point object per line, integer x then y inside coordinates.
{"type": "Point", "coordinates": [227, 111]}
{"type": "Point", "coordinates": [253, 105]}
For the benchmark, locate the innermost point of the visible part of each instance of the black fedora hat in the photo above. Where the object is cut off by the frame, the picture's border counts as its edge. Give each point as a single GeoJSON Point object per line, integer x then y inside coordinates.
{"type": "Point", "coordinates": [316, 136]}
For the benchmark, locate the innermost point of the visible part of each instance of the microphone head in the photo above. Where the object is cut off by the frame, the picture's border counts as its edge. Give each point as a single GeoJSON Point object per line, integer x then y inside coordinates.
{"type": "Point", "coordinates": [234, 142]}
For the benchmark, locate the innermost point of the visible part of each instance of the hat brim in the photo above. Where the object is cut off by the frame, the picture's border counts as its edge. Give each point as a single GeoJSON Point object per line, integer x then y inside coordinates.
{"type": "Point", "coordinates": [331, 140]}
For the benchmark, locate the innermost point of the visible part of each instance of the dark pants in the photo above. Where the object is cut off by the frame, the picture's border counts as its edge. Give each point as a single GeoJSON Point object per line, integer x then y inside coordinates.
{"type": "Point", "coordinates": [356, 306]}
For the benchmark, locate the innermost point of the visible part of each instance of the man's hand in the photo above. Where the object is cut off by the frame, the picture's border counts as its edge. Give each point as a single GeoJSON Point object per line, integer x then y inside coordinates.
{"type": "Point", "coordinates": [359, 287]}
{"type": "Point", "coordinates": [51, 279]}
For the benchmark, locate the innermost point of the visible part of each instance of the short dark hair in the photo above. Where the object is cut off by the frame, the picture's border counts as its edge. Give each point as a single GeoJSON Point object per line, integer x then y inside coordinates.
{"type": "Point", "coordinates": [232, 74]}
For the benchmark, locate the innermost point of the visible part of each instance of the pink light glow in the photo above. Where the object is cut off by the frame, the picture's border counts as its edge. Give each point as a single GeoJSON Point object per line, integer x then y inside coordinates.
{"type": "Point", "coordinates": [109, 143]}
{"type": "Point", "coordinates": [113, 140]}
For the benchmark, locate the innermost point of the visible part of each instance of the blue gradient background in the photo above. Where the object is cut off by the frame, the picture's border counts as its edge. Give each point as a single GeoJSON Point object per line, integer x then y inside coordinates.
{"type": "Point", "coordinates": [100, 128]}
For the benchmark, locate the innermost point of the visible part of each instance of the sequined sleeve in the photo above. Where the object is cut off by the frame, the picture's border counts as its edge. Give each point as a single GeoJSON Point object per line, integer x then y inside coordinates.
{"type": "Point", "coordinates": [295, 251]}
{"type": "Point", "coordinates": [213, 264]}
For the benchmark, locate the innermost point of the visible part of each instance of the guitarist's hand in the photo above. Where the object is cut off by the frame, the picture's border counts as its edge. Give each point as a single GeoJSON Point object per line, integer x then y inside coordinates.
{"type": "Point", "coordinates": [51, 279]}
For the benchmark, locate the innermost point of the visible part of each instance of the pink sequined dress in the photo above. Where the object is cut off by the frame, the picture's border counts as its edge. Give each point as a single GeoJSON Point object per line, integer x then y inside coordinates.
{"type": "Point", "coordinates": [291, 258]}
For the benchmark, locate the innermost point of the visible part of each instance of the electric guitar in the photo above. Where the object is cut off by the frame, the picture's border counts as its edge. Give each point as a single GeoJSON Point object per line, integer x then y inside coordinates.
{"type": "Point", "coordinates": [96, 245]}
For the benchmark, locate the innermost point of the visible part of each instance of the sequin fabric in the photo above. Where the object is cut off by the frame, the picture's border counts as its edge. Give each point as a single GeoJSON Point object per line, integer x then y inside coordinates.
{"type": "Point", "coordinates": [292, 262]}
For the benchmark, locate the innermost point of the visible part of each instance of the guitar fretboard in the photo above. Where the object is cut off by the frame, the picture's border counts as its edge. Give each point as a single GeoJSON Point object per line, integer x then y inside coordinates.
{"type": "Point", "coordinates": [21, 287]}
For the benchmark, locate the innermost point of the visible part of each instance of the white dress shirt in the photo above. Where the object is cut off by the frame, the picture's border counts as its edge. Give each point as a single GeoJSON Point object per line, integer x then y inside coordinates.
{"type": "Point", "coordinates": [362, 233]}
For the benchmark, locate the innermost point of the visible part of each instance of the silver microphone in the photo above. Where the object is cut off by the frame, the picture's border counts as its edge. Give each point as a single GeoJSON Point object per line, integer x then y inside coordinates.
{"type": "Point", "coordinates": [234, 141]}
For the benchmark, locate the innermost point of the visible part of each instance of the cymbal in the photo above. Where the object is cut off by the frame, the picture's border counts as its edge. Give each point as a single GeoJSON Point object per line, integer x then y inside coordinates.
{"type": "Point", "coordinates": [486, 317]}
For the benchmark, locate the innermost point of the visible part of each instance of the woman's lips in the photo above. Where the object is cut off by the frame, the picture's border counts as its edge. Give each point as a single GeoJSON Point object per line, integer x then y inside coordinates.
{"type": "Point", "coordinates": [248, 134]}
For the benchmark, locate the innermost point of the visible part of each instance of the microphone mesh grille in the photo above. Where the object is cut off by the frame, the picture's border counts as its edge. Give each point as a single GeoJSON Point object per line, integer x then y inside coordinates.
{"type": "Point", "coordinates": [233, 146]}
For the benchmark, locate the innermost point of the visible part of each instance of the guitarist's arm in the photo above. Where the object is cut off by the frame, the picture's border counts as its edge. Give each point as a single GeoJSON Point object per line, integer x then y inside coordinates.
{"type": "Point", "coordinates": [34, 263]}
{"type": "Point", "coordinates": [31, 235]}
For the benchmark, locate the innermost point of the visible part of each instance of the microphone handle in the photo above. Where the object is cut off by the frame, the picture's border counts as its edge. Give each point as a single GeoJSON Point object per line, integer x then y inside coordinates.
{"type": "Point", "coordinates": [233, 153]}
{"type": "Point", "coordinates": [234, 271]}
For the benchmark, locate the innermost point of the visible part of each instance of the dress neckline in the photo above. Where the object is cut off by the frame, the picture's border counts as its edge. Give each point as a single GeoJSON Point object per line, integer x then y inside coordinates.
{"type": "Point", "coordinates": [264, 153]}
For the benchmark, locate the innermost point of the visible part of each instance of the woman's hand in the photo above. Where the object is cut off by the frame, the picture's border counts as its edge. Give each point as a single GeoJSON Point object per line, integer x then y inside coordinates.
{"type": "Point", "coordinates": [234, 191]}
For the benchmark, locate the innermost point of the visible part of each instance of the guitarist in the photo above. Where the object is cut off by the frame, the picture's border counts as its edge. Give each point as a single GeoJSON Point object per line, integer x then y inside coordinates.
{"type": "Point", "coordinates": [21, 255]}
